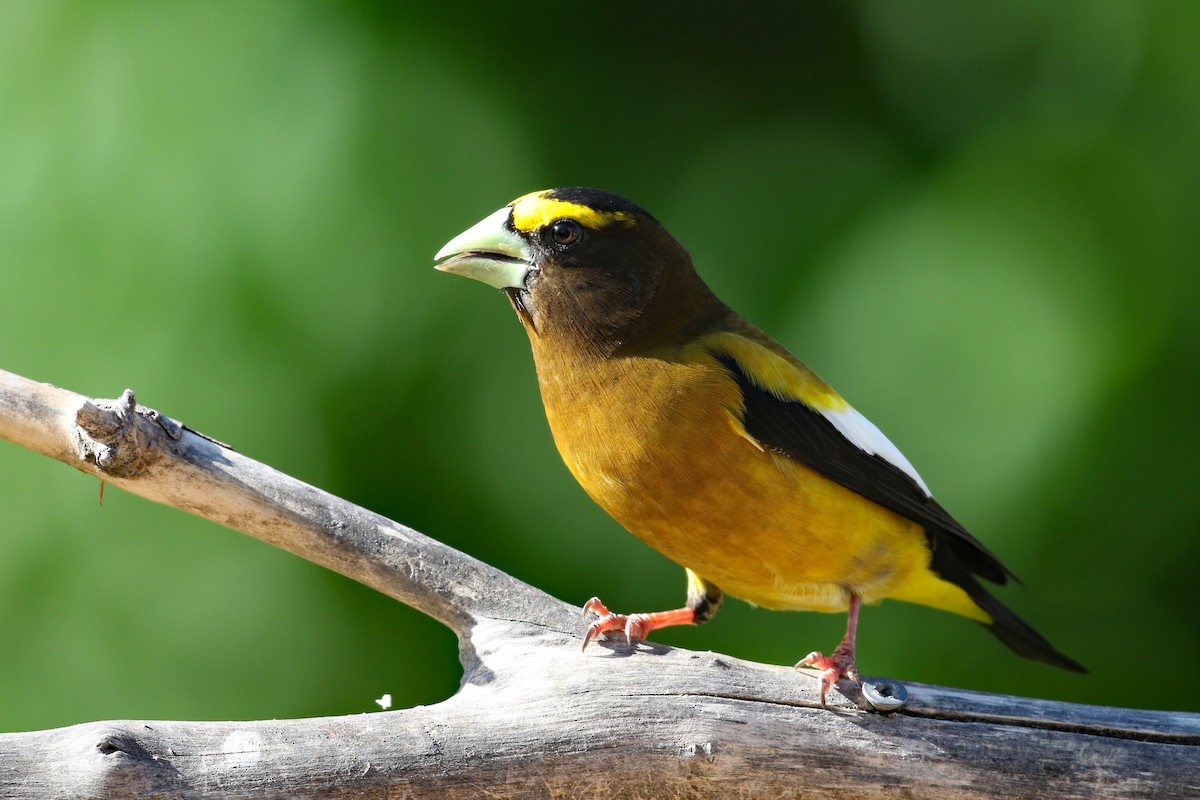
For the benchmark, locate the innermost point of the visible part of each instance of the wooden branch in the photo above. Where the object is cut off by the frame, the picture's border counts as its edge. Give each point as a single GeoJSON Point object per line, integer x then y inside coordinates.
{"type": "Point", "coordinates": [534, 717]}
{"type": "Point", "coordinates": [156, 457]}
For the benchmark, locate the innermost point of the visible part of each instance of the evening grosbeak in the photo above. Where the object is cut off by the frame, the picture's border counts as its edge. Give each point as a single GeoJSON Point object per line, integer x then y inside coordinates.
{"type": "Point", "coordinates": [712, 443]}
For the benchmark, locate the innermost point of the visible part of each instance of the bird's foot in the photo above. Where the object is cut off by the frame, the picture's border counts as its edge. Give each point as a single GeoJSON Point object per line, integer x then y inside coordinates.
{"type": "Point", "coordinates": [833, 667]}
{"type": "Point", "coordinates": [634, 626]}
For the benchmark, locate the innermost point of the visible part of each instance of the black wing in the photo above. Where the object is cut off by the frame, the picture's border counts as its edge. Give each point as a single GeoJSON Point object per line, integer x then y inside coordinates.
{"type": "Point", "coordinates": [807, 436]}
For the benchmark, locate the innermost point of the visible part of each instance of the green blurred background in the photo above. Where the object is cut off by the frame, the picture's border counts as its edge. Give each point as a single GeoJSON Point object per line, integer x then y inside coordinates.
{"type": "Point", "coordinates": [978, 221]}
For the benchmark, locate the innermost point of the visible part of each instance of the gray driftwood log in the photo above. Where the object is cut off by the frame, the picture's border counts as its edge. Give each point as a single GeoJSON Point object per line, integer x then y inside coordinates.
{"type": "Point", "coordinates": [534, 717]}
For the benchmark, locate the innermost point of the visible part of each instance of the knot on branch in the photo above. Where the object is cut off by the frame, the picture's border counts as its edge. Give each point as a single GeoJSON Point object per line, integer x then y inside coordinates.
{"type": "Point", "coordinates": [120, 437]}
{"type": "Point", "coordinates": [111, 759]}
{"type": "Point", "coordinates": [118, 741]}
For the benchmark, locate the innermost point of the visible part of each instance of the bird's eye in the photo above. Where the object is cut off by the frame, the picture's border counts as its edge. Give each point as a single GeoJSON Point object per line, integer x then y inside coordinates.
{"type": "Point", "coordinates": [565, 232]}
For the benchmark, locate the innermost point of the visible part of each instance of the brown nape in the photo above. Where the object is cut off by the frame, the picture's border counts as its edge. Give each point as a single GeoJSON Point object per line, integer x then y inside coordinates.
{"type": "Point", "coordinates": [633, 290]}
{"type": "Point", "coordinates": [678, 310]}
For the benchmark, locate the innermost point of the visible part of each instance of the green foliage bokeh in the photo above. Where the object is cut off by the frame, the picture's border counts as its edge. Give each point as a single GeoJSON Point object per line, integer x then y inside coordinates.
{"type": "Point", "coordinates": [979, 222]}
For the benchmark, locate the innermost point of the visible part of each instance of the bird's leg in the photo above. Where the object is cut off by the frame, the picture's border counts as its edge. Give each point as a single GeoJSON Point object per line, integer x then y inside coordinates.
{"type": "Point", "coordinates": [839, 664]}
{"type": "Point", "coordinates": [635, 626]}
{"type": "Point", "coordinates": [703, 600]}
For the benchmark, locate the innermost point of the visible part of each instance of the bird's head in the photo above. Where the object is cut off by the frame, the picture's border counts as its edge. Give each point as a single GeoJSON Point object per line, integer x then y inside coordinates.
{"type": "Point", "coordinates": [580, 263]}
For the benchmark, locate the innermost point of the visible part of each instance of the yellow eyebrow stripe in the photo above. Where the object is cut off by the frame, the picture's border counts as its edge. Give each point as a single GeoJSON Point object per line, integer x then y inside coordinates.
{"type": "Point", "coordinates": [536, 209]}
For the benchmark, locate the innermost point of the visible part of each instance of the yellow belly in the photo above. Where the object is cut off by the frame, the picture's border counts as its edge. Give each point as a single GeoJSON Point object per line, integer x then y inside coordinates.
{"type": "Point", "coordinates": [657, 445]}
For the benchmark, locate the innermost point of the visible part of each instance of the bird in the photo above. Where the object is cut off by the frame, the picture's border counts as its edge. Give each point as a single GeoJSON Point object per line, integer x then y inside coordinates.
{"type": "Point", "coordinates": [713, 444]}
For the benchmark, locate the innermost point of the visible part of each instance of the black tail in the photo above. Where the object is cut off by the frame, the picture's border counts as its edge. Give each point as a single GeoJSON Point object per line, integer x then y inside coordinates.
{"type": "Point", "coordinates": [959, 559]}
{"type": "Point", "coordinates": [1016, 633]}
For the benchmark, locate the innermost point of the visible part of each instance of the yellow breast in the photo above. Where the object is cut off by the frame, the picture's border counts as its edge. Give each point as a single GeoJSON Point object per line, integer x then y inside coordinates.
{"type": "Point", "coordinates": [658, 444]}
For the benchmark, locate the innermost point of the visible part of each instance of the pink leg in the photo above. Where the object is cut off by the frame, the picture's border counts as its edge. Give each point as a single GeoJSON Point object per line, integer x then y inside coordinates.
{"type": "Point", "coordinates": [635, 626]}
{"type": "Point", "coordinates": [840, 664]}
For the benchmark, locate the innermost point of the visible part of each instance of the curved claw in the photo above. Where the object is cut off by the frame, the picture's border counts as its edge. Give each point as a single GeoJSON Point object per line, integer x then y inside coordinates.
{"type": "Point", "coordinates": [833, 668]}
{"type": "Point", "coordinates": [592, 632]}
{"type": "Point", "coordinates": [594, 606]}
{"type": "Point", "coordinates": [607, 621]}
{"type": "Point", "coordinates": [841, 663]}
{"type": "Point", "coordinates": [634, 626]}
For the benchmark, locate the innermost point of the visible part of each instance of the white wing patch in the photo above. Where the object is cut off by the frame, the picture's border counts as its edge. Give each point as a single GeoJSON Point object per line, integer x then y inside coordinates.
{"type": "Point", "coordinates": [861, 432]}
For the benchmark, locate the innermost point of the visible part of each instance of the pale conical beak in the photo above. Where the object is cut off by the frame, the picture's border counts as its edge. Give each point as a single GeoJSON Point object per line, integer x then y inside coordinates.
{"type": "Point", "coordinates": [489, 252]}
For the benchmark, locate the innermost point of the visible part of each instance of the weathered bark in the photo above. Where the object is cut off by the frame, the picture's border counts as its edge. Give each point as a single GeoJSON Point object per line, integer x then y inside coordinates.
{"type": "Point", "coordinates": [534, 716]}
